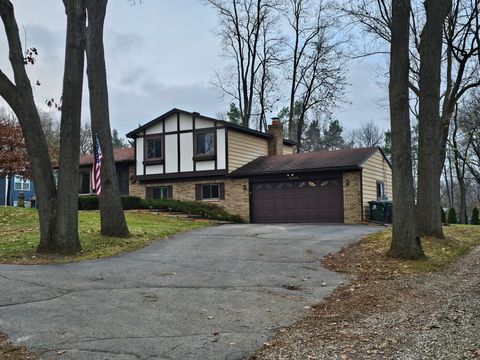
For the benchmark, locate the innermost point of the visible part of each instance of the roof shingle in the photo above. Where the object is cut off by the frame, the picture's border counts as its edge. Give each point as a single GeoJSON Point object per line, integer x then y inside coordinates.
{"type": "Point", "coordinates": [311, 161]}
{"type": "Point", "coordinates": [119, 155]}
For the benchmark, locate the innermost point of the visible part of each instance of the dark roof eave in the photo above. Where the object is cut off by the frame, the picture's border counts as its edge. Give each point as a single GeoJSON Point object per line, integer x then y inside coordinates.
{"type": "Point", "coordinates": [116, 162]}
{"type": "Point", "coordinates": [277, 172]}
{"type": "Point", "coordinates": [239, 128]}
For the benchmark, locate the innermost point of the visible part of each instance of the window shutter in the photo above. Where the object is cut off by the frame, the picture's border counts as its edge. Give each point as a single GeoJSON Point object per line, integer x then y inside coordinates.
{"type": "Point", "coordinates": [169, 191]}
{"type": "Point", "coordinates": [149, 193]}
{"type": "Point", "coordinates": [198, 191]}
{"type": "Point", "coordinates": [221, 191]}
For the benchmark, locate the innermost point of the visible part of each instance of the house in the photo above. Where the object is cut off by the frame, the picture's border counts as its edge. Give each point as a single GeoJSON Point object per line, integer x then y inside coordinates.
{"type": "Point", "coordinates": [255, 175]}
{"type": "Point", "coordinates": [124, 163]}
{"type": "Point", "coordinates": [17, 185]}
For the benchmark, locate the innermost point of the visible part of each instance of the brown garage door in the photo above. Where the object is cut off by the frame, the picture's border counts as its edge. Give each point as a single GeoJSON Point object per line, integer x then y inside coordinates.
{"type": "Point", "coordinates": [313, 200]}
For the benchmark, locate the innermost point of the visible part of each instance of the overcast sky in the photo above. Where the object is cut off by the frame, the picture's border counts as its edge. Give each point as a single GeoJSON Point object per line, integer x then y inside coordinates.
{"type": "Point", "coordinates": [160, 55]}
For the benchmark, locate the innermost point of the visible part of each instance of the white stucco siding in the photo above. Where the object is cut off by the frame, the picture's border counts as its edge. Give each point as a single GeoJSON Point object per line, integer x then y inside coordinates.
{"type": "Point", "coordinates": [171, 153]}
{"type": "Point", "coordinates": [154, 169]}
{"type": "Point", "coordinates": [139, 159]}
{"type": "Point", "coordinates": [185, 122]}
{"type": "Point", "coordinates": [201, 124]}
{"type": "Point", "coordinates": [221, 150]}
{"type": "Point", "coordinates": [155, 129]}
{"type": "Point", "coordinates": [171, 123]}
{"type": "Point", "coordinates": [186, 152]}
{"type": "Point", "coordinates": [205, 165]}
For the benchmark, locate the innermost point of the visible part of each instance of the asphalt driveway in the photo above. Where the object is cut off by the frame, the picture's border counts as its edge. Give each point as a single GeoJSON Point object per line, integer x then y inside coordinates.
{"type": "Point", "coordinates": [214, 293]}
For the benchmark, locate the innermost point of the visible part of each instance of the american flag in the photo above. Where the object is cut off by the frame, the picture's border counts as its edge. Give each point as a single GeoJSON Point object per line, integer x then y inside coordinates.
{"type": "Point", "coordinates": [97, 164]}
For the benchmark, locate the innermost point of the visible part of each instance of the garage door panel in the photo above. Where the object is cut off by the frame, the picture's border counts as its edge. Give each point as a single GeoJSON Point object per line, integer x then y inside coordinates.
{"type": "Point", "coordinates": [312, 200]}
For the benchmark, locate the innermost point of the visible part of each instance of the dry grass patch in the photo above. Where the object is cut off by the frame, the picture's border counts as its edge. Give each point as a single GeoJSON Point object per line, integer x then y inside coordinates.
{"type": "Point", "coordinates": [368, 257]}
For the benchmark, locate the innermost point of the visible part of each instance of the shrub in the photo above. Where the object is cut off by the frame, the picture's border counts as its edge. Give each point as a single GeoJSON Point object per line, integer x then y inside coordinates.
{"type": "Point", "coordinates": [452, 216]}
{"type": "Point", "coordinates": [131, 202]}
{"type": "Point", "coordinates": [444, 217]}
{"type": "Point", "coordinates": [201, 209]}
{"type": "Point", "coordinates": [87, 202]}
{"type": "Point", "coordinates": [205, 210]}
{"type": "Point", "coordinates": [90, 202]}
{"type": "Point", "coordinates": [475, 216]}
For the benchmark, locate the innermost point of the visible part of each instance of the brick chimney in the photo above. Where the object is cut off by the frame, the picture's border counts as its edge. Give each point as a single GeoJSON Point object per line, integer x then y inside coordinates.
{"type": "Point", "coordinates": [275, 144]}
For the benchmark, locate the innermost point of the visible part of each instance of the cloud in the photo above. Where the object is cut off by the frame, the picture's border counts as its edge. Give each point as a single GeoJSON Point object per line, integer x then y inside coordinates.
{"type": "Point", "coordinates": [129, 108]}
{"type": "Point", "coordinates": [120, 44]}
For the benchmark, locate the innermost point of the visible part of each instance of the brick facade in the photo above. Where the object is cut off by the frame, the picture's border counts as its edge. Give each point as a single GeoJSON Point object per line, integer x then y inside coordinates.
{"type": "Point", "coordinates": [236, 193]}
{"type": "Point", "coordinates": [352, 197]}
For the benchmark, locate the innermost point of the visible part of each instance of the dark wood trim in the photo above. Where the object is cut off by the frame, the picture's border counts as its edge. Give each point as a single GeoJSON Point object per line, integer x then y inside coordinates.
{"type": "Point", "coordinates": [190, 175]}
{"type": "Point", "coordinates": [298, 172]}
{"type": "Point", "coordinates": [178, 143]}
{"type": "Point", "coordinates": [194, 150]}
{"type": "Point", "coordinates": [154, 162]}
{"type": "Point", "coordinates": [226, 150]}
{"type": "Point", "coordinates": [297, 177]}
{"type": "Point", "coordinates": [146, 160]}
{"type": "Point", "coordinates": [184, 131]}
{"type": "Point", "coordinates": [215, 144]}
{"type": "Point", "coordinates": [163, 146]}
{"type": "Point", "coordinates": [144, 166]}
{"type": "Point", "coordinates": [205, 158]}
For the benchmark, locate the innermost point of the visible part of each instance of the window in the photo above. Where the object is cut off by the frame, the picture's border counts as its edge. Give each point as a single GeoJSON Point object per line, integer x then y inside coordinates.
{"type": "Point", "coordinates": [380, 190]}
{"type": "Point", "coordinates": [205, 143]}
{"type": "Point", "coordinates": [159, 192]}
{"type": "Point", "coordinates": [21, 184]}
{"type": "Point", "coordinates": [210, 191]}
{"type": "Point", "coordinates": [84, 185]}
{"type": "Point", "coordinates": [153, 149]}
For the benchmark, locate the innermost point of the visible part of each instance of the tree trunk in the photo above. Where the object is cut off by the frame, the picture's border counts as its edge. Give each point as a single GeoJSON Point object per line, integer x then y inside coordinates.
{"type": "Point", "coordinates": [9, 190]}
{"type": "Point", "coordinates": [112, 217]}
{"type": "Point", "coordinates": [405, 242]}
{"type": "Point", "coordinates": [431, 132]}
{"type": "Point", "coordinates": [68, 171]}
{"type": "Point", "coordinates": [19, 97]}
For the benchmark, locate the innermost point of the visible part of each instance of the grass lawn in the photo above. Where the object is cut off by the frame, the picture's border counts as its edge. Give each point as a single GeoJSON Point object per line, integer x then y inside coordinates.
{"type": "Point", "coordinates": [368, 256]}
{"type": "Point", "coordinates": [19, 234]}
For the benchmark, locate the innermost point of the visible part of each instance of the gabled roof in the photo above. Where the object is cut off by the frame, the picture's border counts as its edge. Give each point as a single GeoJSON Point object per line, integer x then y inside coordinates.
{"type": "Point", "coordinates": [344, 159]}
{"type": "Point", "coordinates": [121, 155]}
{"type": "Point", "coordinates": [227, 124]}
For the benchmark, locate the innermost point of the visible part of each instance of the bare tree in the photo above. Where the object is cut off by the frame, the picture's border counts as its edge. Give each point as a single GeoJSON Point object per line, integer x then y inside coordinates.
{"type": "Point", "coordinates": [67, 241]}
{"type": "Point", "coordinates": [244, 28]}
{"type": "Point", "coordinates": [112, 217]}
{"type": "Point", "coordinates": [368, 135]}
{"type": "Point", "coordinates": [405, 242]}
{"type": "Point", "coordinates": [461, 68]}
{"type": "Point", "coordinates": [86, 143]}
{"type": "Point", "coordinates": [315, 63]}
{"type": "Point", "coordinates": [19, 96]}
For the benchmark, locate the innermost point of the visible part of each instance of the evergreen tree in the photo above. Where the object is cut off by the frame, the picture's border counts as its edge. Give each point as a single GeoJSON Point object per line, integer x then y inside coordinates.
{"type": "Point", "coordinates": [387, 143]}
{"type": "Point", "coordinates": [117, 140]}
{"type": "Point", "coordinates": [313, 137]}
{"type": "Point", "coordinates": [233, 115]}
{"type": "Point", "coordinates": [452, 216]}
{"type": "Point", "coordinates": [475, 216]}
{"type": "Point", "coordinates": [332, 137]}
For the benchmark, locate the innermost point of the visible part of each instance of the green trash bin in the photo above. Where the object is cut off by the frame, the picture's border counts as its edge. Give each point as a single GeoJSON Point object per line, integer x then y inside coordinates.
{"type": "Point", "coordinates": [381, 211]}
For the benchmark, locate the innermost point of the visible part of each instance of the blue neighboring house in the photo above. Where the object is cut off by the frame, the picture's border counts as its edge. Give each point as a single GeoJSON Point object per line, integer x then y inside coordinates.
{"type": "Point", "coordinates": [17, 185]}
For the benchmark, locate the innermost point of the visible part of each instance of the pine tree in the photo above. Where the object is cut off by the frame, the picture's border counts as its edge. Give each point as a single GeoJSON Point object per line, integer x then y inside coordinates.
{"type": "Point", "coordinates": [452, 216]}
{"type": "Point", "coordinates": [475, 216]}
